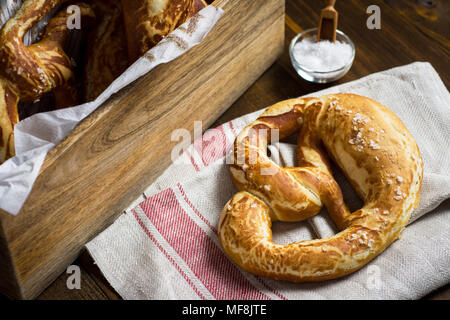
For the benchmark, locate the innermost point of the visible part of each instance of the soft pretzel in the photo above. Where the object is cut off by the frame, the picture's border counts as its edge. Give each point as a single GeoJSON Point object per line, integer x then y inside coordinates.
{"type": "Point", "coordinates": [374, 150]}
{"type": "Point", "coordinates": [8, 119]}
{"type": "Point", "coordinates": [107, 55]}
{"type": "Point", "coordinates": [148, 21]}
{"type": "Point", "coordinates": [28, 72]}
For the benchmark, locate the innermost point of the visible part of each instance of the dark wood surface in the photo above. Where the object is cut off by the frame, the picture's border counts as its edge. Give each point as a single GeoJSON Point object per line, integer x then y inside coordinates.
{"type": "Point", "coordinates": [411, 30]}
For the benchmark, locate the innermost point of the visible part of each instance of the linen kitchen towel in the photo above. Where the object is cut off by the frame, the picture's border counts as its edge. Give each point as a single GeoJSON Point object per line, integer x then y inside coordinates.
{"type": "Point", "coordinates": [166, 247]}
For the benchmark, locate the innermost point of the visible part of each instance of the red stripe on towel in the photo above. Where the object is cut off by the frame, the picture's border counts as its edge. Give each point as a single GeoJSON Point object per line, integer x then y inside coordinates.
{"type": "Point", "coordinates": [232, 128]}
{"type": "Point", "coordinates": [192, 161]}
{"type": "Point", "coordinates": [196, 248]}
{"type": "Point", "coordinates": [195, 209]}
{"type": "Point", "coordinates": [213, 145]}
{"type": "Point", "coordinates": [198, 213]}
{"type": "Point", "coordinates": [168, 256]}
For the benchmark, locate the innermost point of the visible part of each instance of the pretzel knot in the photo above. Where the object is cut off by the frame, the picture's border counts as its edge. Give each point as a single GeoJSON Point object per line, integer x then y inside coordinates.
{"type": "Point", "coordinates": [371, 146]}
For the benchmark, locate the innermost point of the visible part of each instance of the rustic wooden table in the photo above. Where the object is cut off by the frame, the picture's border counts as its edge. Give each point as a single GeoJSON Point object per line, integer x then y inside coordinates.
{"type": "Point", "coordinates": [411, 30]}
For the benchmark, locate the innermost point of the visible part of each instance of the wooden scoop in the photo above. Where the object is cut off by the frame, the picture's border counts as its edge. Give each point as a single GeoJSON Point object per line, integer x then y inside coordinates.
{"type": "Point", "coordinates": [328, 23]}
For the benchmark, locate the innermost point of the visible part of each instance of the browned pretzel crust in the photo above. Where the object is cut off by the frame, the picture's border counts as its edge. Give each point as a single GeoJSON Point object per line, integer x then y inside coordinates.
{"type": "Point", "coordinates": [148, 21]}
{"type": "Point", "coordinates": [374, 150]}
{"type": "Point", "coordinates": [27, 72]}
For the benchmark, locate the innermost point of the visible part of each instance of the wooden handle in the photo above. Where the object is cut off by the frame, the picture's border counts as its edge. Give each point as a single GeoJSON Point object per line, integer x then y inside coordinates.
{"type": "Point", "coordinates": [331, 3]}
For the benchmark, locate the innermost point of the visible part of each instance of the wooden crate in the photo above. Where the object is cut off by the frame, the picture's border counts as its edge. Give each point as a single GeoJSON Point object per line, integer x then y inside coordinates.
{"type": "Point", "coordinates": [114, 154]}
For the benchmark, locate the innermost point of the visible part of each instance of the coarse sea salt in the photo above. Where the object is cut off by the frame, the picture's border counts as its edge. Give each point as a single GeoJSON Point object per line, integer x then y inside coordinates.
{"type": "Point", "coordinates": [322, 56]}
